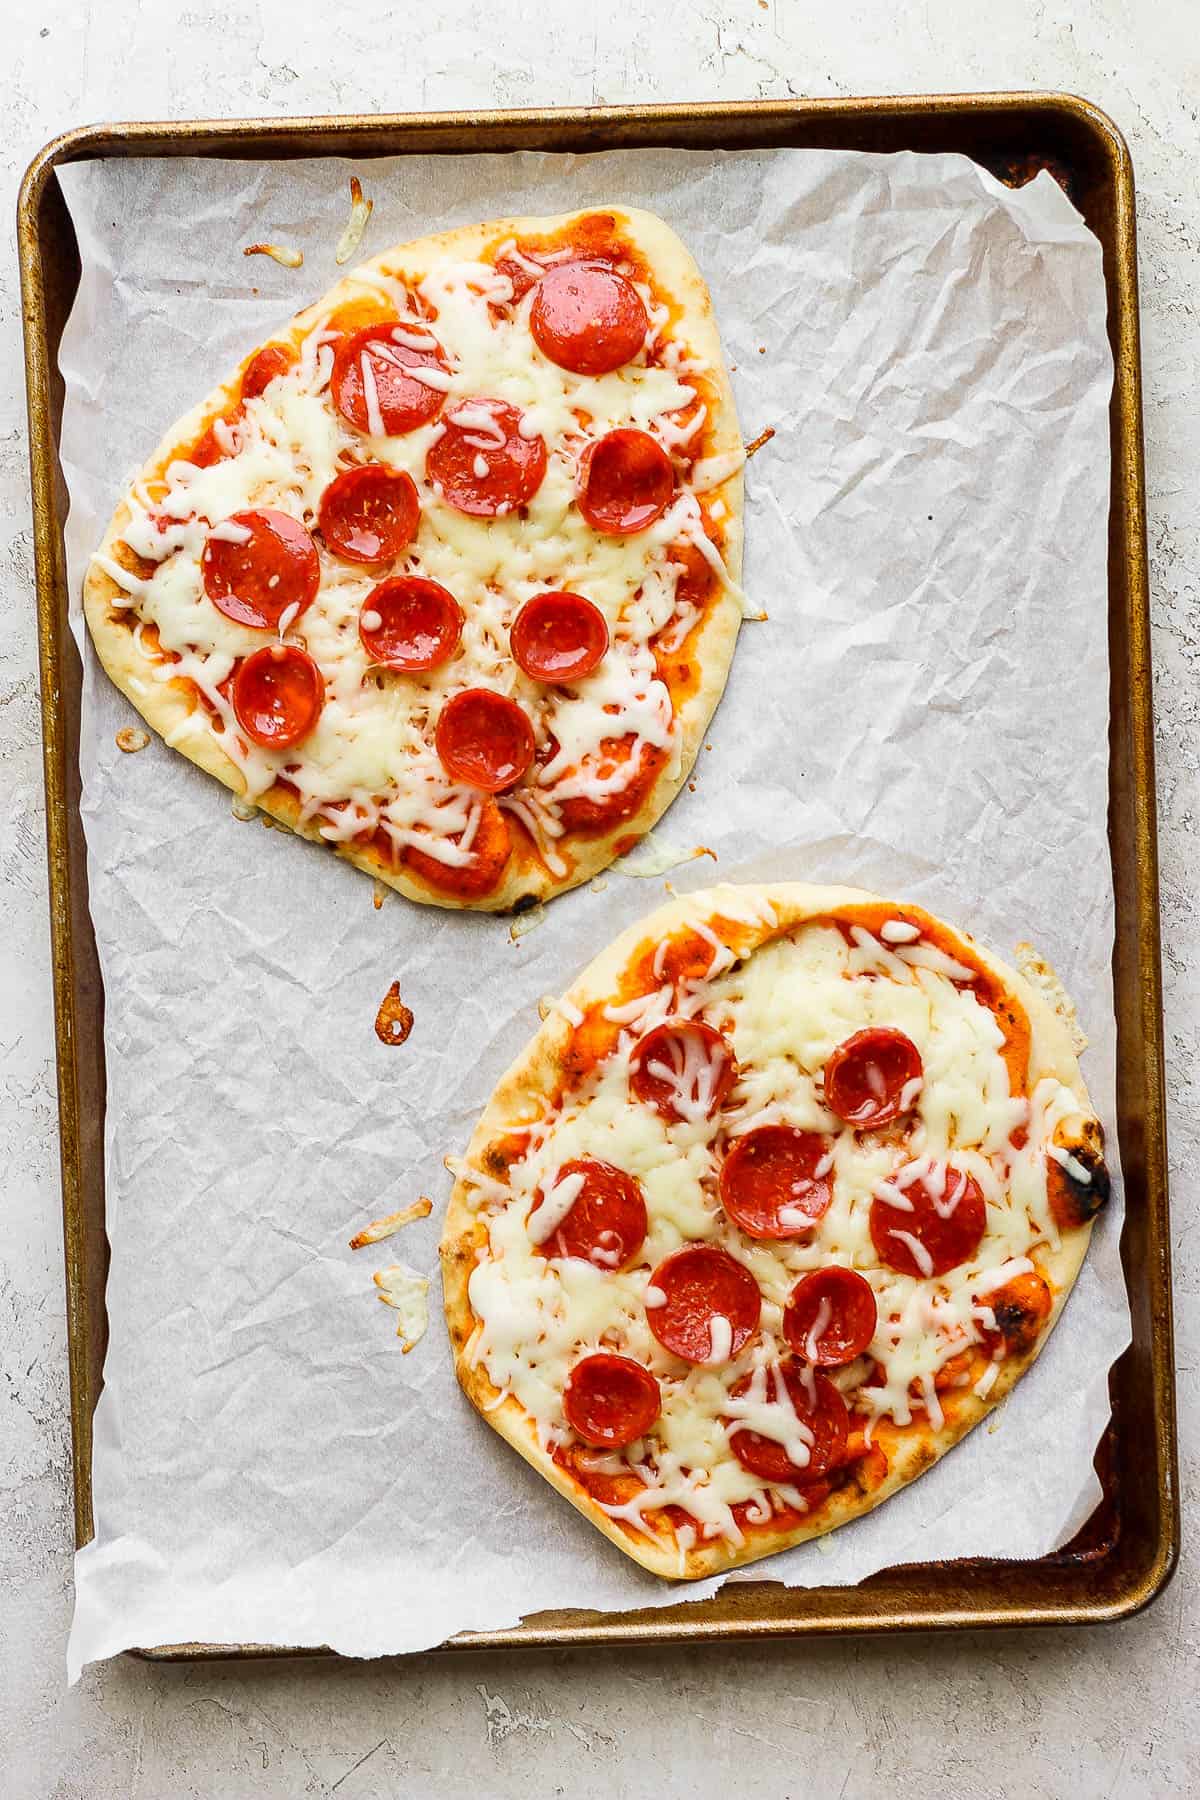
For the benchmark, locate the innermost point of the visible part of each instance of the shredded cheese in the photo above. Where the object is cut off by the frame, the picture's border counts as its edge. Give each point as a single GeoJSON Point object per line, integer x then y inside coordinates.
{"type": "Point", "coordinates": [369, 764]}
{"type": "Point", "coordinates": [783, 1010]}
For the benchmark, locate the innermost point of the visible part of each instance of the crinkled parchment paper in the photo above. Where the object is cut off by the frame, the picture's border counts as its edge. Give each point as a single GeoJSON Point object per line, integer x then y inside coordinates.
{"type": "Point", "coordinates": [925, 712]}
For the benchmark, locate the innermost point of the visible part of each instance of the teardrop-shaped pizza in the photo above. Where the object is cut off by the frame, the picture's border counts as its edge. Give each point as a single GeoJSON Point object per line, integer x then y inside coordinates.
{"type": "Point", "coordinates": [446, 575]}
{"type": "Point", "coordinates": [781, 1200]}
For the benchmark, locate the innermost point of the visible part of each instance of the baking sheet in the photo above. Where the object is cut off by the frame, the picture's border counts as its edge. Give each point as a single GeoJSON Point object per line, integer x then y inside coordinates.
{"type": "Point", "coordinates": [925, 712]}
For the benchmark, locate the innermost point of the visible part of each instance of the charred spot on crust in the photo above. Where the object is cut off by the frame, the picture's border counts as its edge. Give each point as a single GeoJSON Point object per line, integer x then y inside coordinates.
{"type": "Point", "coordinates": [523, 903]}
{"type": "Point", "coordinates": [499, 1156]}
{"type": "Point", "coordinates": [1020, 1310]}
{"type": "Point", "coordinates": [495, 1162]}
{"type": "Point", "coordinates": [1077, 1193]}
{"type": "Point", "coordinates": [1016, 1326]}
{"type": "Point", "coordinates": [924, 1456]}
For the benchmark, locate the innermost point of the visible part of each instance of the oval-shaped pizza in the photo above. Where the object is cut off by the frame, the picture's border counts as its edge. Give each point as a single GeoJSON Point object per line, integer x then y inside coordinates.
{"type": "Point", "coordinates": [503, 463]}
{"type": "Point", "coordinates": [782, 1199]}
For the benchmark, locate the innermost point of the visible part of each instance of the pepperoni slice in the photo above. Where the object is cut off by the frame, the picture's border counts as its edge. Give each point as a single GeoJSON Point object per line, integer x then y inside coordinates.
{"type": "Point", "coordinates": [944, 1227]}
{"type": "Point", "coordinates": [558, 637]}
{"type": "Point", "coordinates": [820, 1415]}
{"type": "Point", "coordinates": [610, 1400]}
{"type": "Point", "coordinates": [263, 367]}
{"type": "Point", "coordinates": [208, 448]}
{"type": "Point", "coordinates": [587, 318]}
{"type": "Point", "coordinates": [257, 565]}
{"type": "Point", "coordinates": [1020, 1309]}
{"type": "Point", "coordinates": [684, 1069]}
{"type": "Point", "coordinates": [410, 624]}
{"type": "Point", "coordinates": [490, 849]}
{"type": "Point", "coordinates": [605, 1221]}
{"type": "Point", "coordinates": [777, 1182]}
{"type": "Point", "coordinates": [625, 482]}
{"type": "Point", "coordinates": [873, 1077]}
{"type": "Point", "coordinates": [484, 740]}
{"type": "Point", "coordinates": [830, 1316]}
{"type": "Point", "coordinates": [487, 462]}
{"type": "Point", "coordinates": [586, 813]}
{"type": "Point", "coordinates": [703, 1305]}
{"type": "Point", "coordinates": [369, 514]}
{"type": "Point", "coordinates": [278, 694]}
{"type": "Point", "coordinates": [376, 384]}
{"type": "Point", "coordinates": [517, 272]}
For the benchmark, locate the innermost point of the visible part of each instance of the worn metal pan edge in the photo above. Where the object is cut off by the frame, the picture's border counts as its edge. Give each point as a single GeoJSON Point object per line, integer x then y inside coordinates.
{"type": "Point", "coordinates": [1138, 1555]}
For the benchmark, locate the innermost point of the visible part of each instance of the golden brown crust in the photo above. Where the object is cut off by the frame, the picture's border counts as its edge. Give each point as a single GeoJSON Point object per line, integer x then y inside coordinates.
{"type": "Point", "coordinates": [174, 710]}
{"type": "Point", "coordinates": [535, 1079]}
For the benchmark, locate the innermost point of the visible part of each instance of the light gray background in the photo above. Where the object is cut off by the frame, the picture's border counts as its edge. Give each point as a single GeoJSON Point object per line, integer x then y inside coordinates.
{"type": "Point", "coordinates": [1109, 1712]}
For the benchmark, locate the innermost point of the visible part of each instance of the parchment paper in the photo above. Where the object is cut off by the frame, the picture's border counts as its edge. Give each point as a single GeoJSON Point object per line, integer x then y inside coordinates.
{"type": "Point", "coordinates": [925, 713]}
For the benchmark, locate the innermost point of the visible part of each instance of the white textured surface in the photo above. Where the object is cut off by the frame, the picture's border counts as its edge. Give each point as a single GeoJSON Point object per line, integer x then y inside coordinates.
{"type": "Point", "coordinates": [1109, 1712]}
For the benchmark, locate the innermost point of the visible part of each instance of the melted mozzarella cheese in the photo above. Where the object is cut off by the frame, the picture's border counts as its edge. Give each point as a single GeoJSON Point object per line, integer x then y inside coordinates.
{"type": "Point", "coordinates": [402, 1288]}
{"type": "Point", "coordinates": [784, 1009]}
{"type": "Point", "coordinates": [369, 763]}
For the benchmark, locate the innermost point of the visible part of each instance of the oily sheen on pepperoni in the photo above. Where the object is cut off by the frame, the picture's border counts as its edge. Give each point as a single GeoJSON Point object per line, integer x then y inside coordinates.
{"type": "Point", "coordinates": [263, 367]}
{"type": "Point", "coordinates": [625, 482]}
{"type": "Point", "coordinates": [484, 740]}
{"type": "Point", "coordinates": [587, 318]}
{"type": "Point", "coordinates": [830, 1316]}
{"type": "Point", "coordinates": [483, 464]}
{"type": "Point", "coordinates": [410, 624]}
{"type": "Point", "coordinates": [869, 1078]}
{"type": "Point", "coordinates": [369, 514]}
{"type": "Point", "coordinates": [610, 1400]}
{"type": "Point", "coordinates": [606, 1224]}
{"type": "Point", "coordinates": [684, 1069]}
{"type": "Point", "coordinates": [769, 1182]}
{"type": "Point", "coordinates": [558, 637]}
{"type": "Point", "coordinates": [384, 357]}
{"type": "Point", "coordinates": [278, 694]}
{"type": "Point", "coordinates": [818, 1406]}
{"type": "Point", "coordinates": [692, 1288]}
{"type": "Point", "coordinates": [941, 1229]}
{"type": "Point", "coordinates": [257, 564]}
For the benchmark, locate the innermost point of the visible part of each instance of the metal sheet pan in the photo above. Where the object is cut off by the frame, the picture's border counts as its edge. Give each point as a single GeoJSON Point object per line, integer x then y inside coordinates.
{"type": "Point", "coordinates": [1126, 1553]}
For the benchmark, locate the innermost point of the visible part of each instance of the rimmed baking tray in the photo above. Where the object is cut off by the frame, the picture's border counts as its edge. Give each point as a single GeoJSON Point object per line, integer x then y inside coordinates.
{"type": "Point", "coordinates": [1126, 1553]}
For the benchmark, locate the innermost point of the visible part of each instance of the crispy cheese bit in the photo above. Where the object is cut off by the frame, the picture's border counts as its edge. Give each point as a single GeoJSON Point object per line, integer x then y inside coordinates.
{"type": "Point", "coordinates": [131, 739]}
{"type": "Point", "coordinates": [378, 1229]}
{"type": "Point", "coordinates": [356, 224]}
{"type": "Point", "coordinates": [526, 921]}
{"type": "Point", "coordinates": [403, 1288]}
{"type": "Point", "coordinates": [288, 259]}
{"type": "Point", "coordinates": [654, 856]}
{"type": "Point", "coordinates": [243, 809]}
{"type": "Point", "coordinates": [756, 444]}
{"type": "Point", "coordinates": [378, 891]}
{"type": "Point", "coordinates": [394, 1020]}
